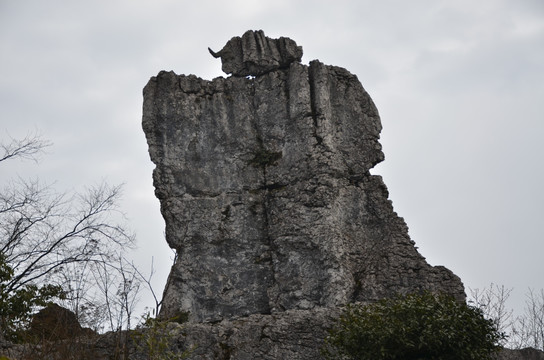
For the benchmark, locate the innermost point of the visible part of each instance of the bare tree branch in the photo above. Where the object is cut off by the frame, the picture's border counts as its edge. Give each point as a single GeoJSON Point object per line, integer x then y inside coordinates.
{"type": "Point", "coordinates": [42, 239]}
{"type": "Point", "coordinates": [76, 241]}
{"type": "Point", "coordinates": [147, 281]}
{"type": "Point", "coordinates": [492, 301]}
{"type": "Point", "coordinates": [27, 148]}
{"type": "Point", "coordinates": [525, 330]}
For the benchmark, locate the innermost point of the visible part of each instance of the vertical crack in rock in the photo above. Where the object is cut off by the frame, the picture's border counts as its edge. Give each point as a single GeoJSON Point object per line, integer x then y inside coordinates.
{"type": "Point", "coordinates": [266, 191]}
{"type": "Point", "coordinates": [262, 159]}
{"type": "Point", "coordinates": [313, 102]}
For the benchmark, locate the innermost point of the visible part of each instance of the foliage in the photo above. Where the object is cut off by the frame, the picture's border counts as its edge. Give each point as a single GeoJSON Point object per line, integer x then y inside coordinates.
{"type": "Point", "coordinates": [414, 326]}
{"type": "Point", "coordinates": [154, 339]}
{"type": "Point", "coordinates": [51, 242]}
{"type": "Point", "coordinates": [17, 306]}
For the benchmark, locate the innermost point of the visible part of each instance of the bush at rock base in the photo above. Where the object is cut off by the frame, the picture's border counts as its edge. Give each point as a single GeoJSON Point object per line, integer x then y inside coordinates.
{"type": "Point", "coordinates": [415, 326]}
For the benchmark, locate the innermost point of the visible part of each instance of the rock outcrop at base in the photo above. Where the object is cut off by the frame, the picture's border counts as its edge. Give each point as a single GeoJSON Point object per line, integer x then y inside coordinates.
{"type": "Point", "coordinates": [265, 186]}
{"type": "Point", "coordinates": [292, 334]}
{"type": "Point", "coordinates": [54, 323]}
{"type": "Point", "coordinates": [520, 354]}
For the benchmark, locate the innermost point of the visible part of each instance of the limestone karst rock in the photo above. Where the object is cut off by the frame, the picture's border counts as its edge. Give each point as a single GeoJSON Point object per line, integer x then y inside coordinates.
{"type": "Point", "coordinates": [255, 54]}
{"type": "Point", "coordinates": [265, 186]}
{"type": "Point", "coordinates": [55, 322]}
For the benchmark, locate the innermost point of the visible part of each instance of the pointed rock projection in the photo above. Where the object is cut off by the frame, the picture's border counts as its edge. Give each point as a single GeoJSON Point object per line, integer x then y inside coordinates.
{"type": "Point", "coordinates": [264, 184]}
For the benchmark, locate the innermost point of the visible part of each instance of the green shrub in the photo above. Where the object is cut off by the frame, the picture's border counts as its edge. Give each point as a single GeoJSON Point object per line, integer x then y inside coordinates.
{"type": "Point", "coordinates": [416, 326]}
{"type": "Point", "coordinates": [155, 340]}
{"type": "Point", "coordinates": [17, 305]}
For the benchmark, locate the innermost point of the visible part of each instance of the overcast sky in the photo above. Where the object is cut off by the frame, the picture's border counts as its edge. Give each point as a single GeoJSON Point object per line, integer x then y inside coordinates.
{"type": "Point", "coordinates": [459, 86]}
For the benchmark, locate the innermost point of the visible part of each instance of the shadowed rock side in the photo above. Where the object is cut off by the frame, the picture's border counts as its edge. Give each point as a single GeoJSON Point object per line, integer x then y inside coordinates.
{"type": "Point", "coordinates": [520, 354]}
{"type": "Point", "coordinates": [265, 188]}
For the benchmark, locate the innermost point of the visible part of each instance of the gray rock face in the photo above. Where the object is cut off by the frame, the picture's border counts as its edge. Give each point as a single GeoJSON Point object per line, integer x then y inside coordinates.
{"type": "Point", "coordinates": [292, 334]}
{"type": "Point", "coordinates": [265, 188]}
{"type": "Point", "coordinates": [520, 354]}
{"type": "Point", "coordinates": [254, 54]}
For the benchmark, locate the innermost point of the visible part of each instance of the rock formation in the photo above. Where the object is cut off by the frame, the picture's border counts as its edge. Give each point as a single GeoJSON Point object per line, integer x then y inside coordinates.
{"type": "Point", "coordinates": [265, 186]}
{"type": "Point", "coordinates": [55, 322]}
{"type": "Point", "coordinates": [520, 354]}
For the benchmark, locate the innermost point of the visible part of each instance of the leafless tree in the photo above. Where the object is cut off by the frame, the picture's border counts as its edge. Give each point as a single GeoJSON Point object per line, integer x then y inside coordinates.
{"type": "Point", "coordinates": [147, 281]}
{"type": "Point", "coordinates": [42, 232]}
{"type": "Point", "coordinates": [492, 301]}
{"type": "Point", "coordinates": [27, 148]}
{"type": "Point", "coordinates": [83, 296]}
{"type": "Point", "coordinates": [117, 287]}
{"type": "Point", "coordinates": [528, 331]}
{"type": "Point", "coordinates": [46, 237]}
{"type": "Point", "coordinates": [525, 330]}
{"type": "Point", "coordinates": [128, 290]}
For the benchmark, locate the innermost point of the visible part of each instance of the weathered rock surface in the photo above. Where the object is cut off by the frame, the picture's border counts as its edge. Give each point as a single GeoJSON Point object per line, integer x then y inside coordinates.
{"type": "Point", "coordinates": [56, 323]}
{"type": "Point", "coordinates": [521, 354]}
{"type": "Point", "coordinates": [265, 187]}
{"type": "Point", "coordinates": [255, 54]}
{"type": "Point", "coordinates": [292, 334]}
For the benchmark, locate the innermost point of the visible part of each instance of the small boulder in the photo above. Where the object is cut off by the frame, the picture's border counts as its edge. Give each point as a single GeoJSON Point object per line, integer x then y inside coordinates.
{"type": "Point", "coordinates": [55, 322]}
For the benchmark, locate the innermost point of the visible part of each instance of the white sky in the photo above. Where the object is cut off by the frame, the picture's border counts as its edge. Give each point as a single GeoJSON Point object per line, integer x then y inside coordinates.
{"type": "Point", "coordinates": [459, 86]}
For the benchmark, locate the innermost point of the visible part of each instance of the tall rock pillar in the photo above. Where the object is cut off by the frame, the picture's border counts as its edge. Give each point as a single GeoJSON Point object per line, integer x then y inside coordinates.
{"type": "Point", "coordinates": [264, 184]}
